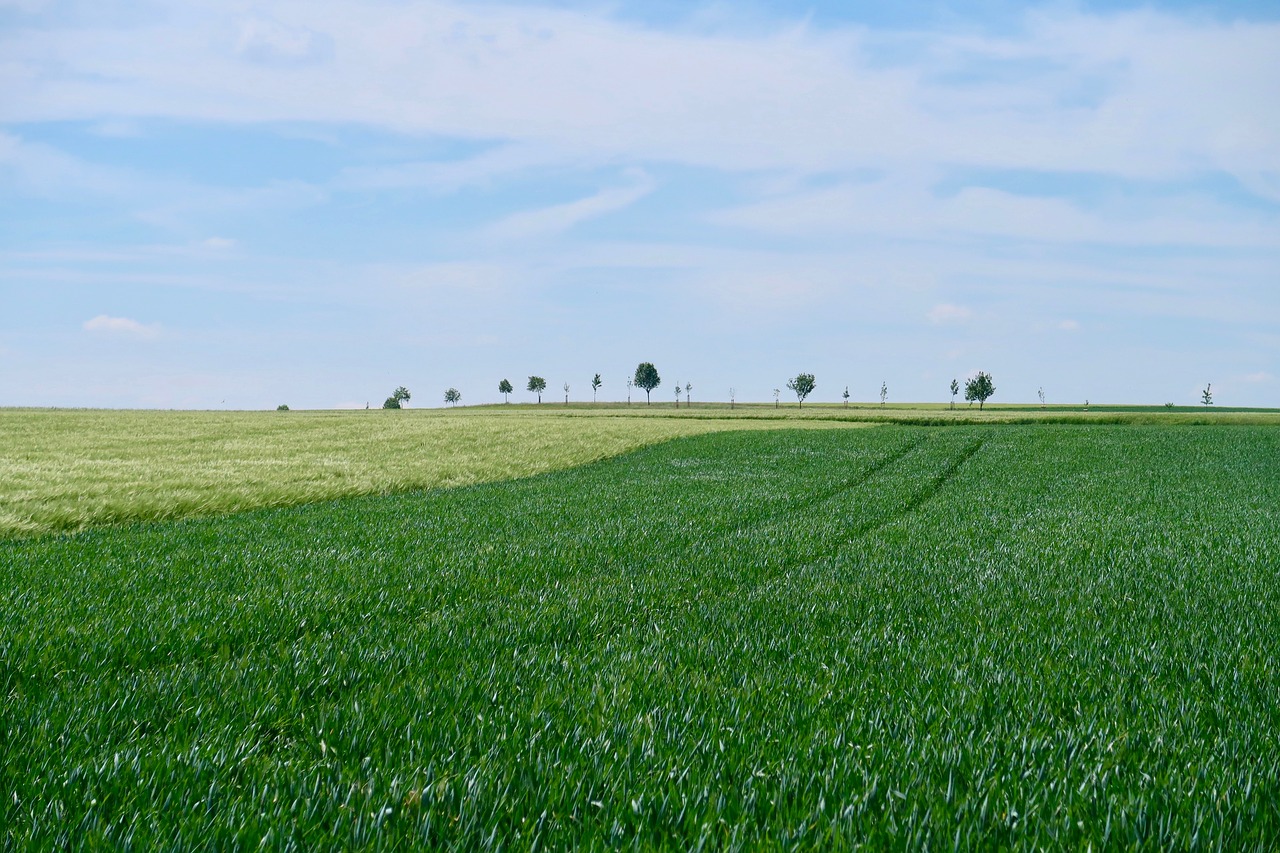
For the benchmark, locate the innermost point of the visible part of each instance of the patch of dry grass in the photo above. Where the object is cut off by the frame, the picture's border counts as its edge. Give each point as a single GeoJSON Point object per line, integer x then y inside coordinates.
{"type": "Point", "coordinates": [67, 470]}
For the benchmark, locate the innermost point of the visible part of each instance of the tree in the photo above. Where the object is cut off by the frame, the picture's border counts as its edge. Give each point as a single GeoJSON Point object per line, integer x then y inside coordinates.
{"type": "Point", "coordinates": [536, 386]}
{"type": "Point", "coordinates": [677, 395]}
{"type": "Point", "coordinates": [955, 389]}
{"type": "Point", "coordinates": [884, 392]}
{"type": "Point", "coordinates": [688, 394]}
{"type": "Point", "coordinates": [504, 388]}
{"type": "Point", "coordinates": [803, 385]}
{"type": "Point", "coordinates": [452, 396]}
{"type": "Point", "coordinates": [1206, 396]}
{"type": "Point", "coordinates": [647, 378]}
{"type": "Point", "coordinates": [777, 392]}
{"type": "Point", "coordinates": [595, 386]}
{"type": "Point", "coordinates": [566, 393]}
{"type": "Point", "coordinates": [730, 399]}
{"type": "Point", "coordinates": [979, 388]}
{"type": "Point", "coordinates": [628, 391]}
{"type": "Point", "coordinates": [283, 407]}
{"type": "Point", "coordinates": [398, 396]}
{"type": "Point", "coordinates": [1041, 393]}
{"type": "Point", "coordinates": [846, 396]}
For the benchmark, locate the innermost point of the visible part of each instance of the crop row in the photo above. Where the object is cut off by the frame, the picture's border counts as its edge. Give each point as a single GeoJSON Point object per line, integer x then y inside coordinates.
{"type": "Point", "coordinates": [987, 636]}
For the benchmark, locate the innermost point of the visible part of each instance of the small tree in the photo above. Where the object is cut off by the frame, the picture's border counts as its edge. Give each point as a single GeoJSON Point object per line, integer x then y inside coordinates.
{"type": "Point", "coordinates": [955, 389]}
{"type": "Point", "coordinates": [777, 392]}
{"type": "Point", "coordinates": [566, 393]}
{"type": "Point", "coordinates": [628, 391]}
{"type": "Point", "coordinates": [803, 385]}
{"type": "Point", "coordinates": [397, 398]}
{"type": "Point", "coordinates": [884, 392]}
{"type": "Point", "coordinates": [731, 399]}
{"type": "Point", "coordinates": [452, 396]}
{"type": "Point", "coordinates": [536, 386]}
{"type": "Point", "coordinates": [677, 395]}
{"type": "Point", "coordinates": [846, 396]}
{"type": "Point", "coordinates": [647, 378]}
{"type": "Point", "coordinates": [688, 394]}
{"type": "Point", "coordinates": [504, 388]}
{"type": "Point", "coordinates": [284, 408]}
{"type": "Point", "coordinates": [595, 386]}
{"type": "Point", "coordinates": [979, 388]}
{"type": "Point", "coordinates": [1041, 393]}
{"type": "Point", "coordinates": [1206, 396]}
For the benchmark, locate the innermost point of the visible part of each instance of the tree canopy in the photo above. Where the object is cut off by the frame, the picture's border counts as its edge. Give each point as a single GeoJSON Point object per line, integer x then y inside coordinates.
{"type": "Point", "coordinates": [398, 396]}
{"type": "Point", "coordinates": [452, 396]}
{"type": "Point", "coordinates": [979, 388]}
{"type": "Point", "coordinates": [504, 388]}
{"type": "Point", "coordinates": [803, 384]}
{"type": "Point", "coordinates": [536, 386]}
{"type": "Point", "coordinates": [647, 378]}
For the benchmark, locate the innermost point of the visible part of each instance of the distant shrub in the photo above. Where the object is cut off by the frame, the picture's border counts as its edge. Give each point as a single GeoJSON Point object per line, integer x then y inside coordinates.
{"type": "Point", "coordinates": [282, 408]}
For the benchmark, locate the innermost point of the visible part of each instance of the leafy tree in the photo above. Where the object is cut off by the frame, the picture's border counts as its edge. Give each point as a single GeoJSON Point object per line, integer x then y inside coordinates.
{"type": "Point", "coordinates": [955, 389]}
{"type": "Point", "coordinates": [452, 396]}
{"type": "Point", "coordinates": [566, 393]}
{"type": "Point", "coordinates": [846, 396]}
{"type": "Point", "coordinates": [803, 385]}
{"type": "Point", "coordinates": [398, 396]}
{"type": "Point", "coordinates": [677, 395]}
{"type": "Point", "coordinates": [1041, 394]}
{"type": "Point", "coordinates": [777, 392]}
{"type": "Point", "coordinates": [595, 386]}
{"type": "Point", "coordinates": [979, 388]}
{"type": "Point", "coordinates": [536, 386]}
{"type": "Point", "coordinates": [504, 388]}
{"type": "Point", "coordinates": [730, 399]}
{"type": "Point", "coordinates": [628, 391]}
{"type": "Point", "coordinates": [688, 394]}
{"type": "Point", "coordinates": [282, 408]}
{"type": "Point", "coordinates": [1206, 396]}
{"type": "Point", "coordinates": [647, 378]}
{"type": "Point", "coordinates": [884, 392]}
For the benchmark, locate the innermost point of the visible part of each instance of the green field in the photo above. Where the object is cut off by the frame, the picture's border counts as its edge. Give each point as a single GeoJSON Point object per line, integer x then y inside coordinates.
{"type": "Point", "coordinates": [998, 635]}
{"type": "Point", "coordinates": [67, 470]}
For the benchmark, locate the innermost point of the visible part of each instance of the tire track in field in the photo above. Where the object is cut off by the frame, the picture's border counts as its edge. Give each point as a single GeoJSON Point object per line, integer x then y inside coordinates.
{"type": "Point", "coordinates": [831, 545]}
{"type": "Point", "coordinates": [765, 517]}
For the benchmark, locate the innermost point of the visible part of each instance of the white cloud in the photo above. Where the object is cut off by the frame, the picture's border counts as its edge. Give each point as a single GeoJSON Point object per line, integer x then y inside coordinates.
{"type": "Point", "coordinates": [123, 326]}
{"type": "Point", "coordinates": [561, 217]}
{"type": "Point", "coordinates": [1257, 378]}
{"type": "Point", "coordinates": [1069, 326]}
{"type": "Point", "coordinates": [218, 243]}
{"type": "Point", "coordinates": [945, 314]}
{"type": "Point", "coordinates": [1134, 94]}
{"type": "Point", "coordinates": [264, 39]}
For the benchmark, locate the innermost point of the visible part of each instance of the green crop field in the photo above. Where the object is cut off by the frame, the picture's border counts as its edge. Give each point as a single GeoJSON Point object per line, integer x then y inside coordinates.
{"type": "Point", "coordinates": [68, 470]}
{"type": "Point", "coordinates": [983, 636]}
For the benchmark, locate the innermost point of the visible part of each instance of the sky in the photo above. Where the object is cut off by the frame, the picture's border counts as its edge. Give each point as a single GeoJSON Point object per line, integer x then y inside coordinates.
{"type": "Point", "coordinates": [216, 204]}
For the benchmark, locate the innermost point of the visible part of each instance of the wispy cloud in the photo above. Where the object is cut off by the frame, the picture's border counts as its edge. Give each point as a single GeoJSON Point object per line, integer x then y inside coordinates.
{"type": "Point", "coordinates": [946, 314]}
{"type": "Point", "coordinates": [121, 326]}
{"type": "Point", "coordinates": [559, 218]}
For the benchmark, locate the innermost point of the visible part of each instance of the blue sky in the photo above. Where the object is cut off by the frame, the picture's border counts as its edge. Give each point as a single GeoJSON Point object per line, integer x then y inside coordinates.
{"type": "Point", "coordinates": [240, 204]}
